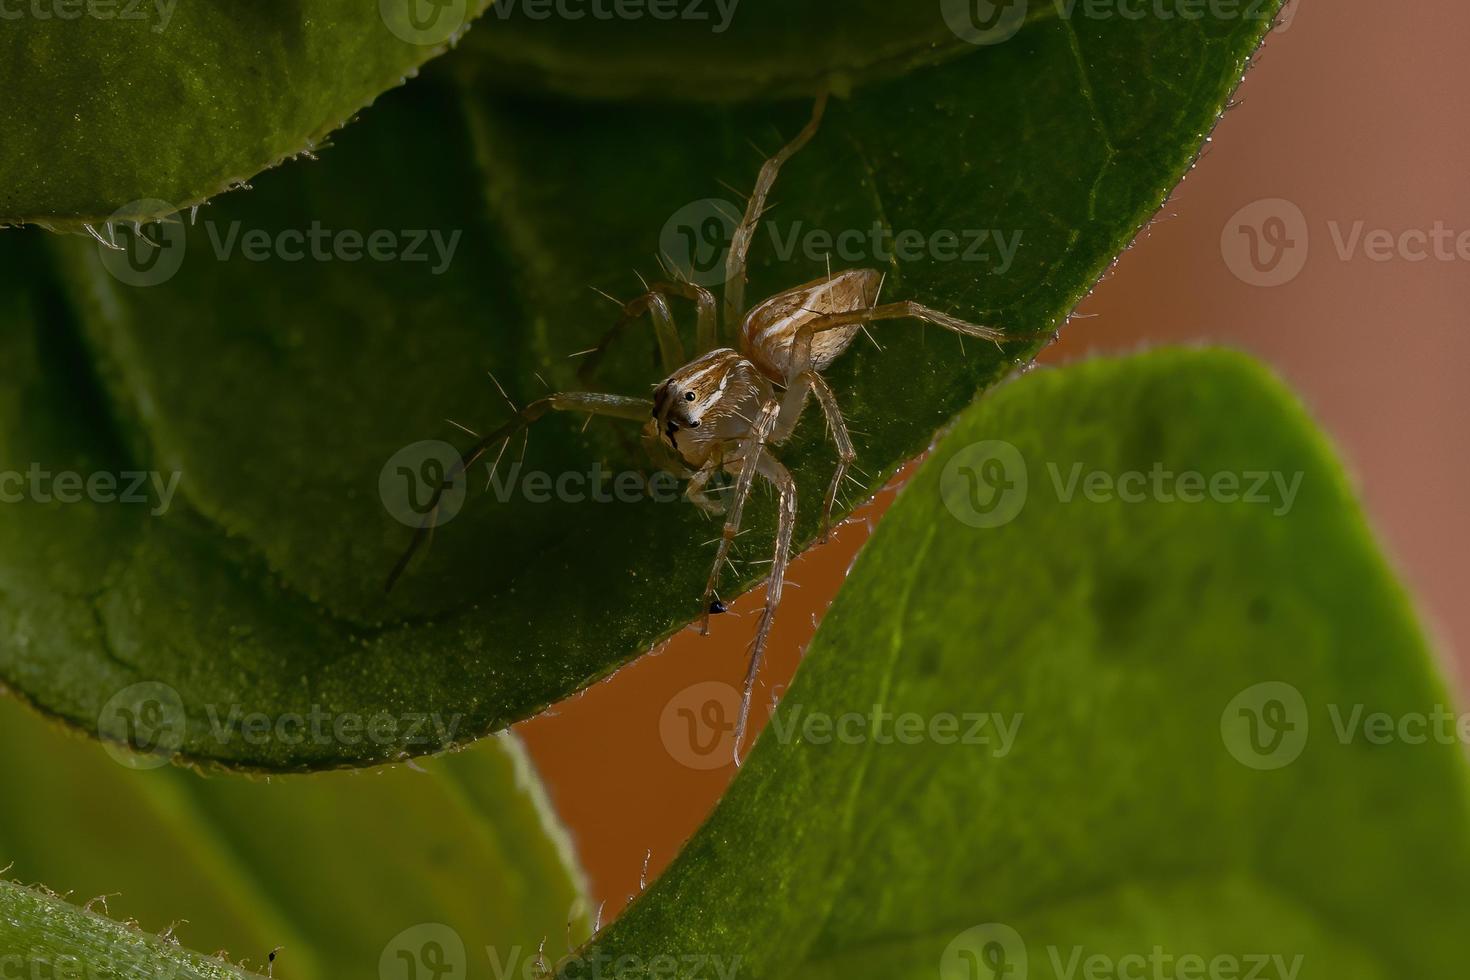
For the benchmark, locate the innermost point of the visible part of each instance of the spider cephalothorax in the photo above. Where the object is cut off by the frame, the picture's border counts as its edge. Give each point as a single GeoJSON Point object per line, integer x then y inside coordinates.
{"type": "Point", "coordinates": [707, 404]}
{"type": "Point", "coordinates": [724, 410]}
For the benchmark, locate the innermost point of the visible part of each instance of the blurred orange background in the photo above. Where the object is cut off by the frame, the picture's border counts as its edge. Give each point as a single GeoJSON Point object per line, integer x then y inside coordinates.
{"type": "Point", "coordinates": [1349, 126]}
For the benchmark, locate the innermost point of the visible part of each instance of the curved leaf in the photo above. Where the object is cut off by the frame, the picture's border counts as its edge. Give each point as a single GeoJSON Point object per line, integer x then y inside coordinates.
{"type": "Point", "coordinates": [290, 386]}
{"type": "Point", "coordinates": [111, 109]}
{"type": "Point", "coordinates": [343, 871]}
{"type": "Point", "coordinates": [1120, 638]}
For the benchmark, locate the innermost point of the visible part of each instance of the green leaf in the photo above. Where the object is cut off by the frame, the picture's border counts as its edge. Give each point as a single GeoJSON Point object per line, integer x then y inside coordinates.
{"type": "Point", "coordinates": [43, 936]}
{"type": "Point", "coordinates": [345, 871]}
{"type": "Point", "coordinates": [1122, 636]}
{"type": "Point", "coordinates": [726, 50]}
{"type": "Point", "coordinates": [285, 393]}
{"type": "Point", "coordinates": [112, 109]}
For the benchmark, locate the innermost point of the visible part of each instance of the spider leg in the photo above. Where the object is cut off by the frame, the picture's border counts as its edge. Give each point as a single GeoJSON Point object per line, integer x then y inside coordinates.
{"type": "Point", "coordinates": [706, 336]}
{"type": "Point", "coordinates": [740, 242]}
{"type": "Point", "coordinates": [902, 310]}
{"type": "Point", "coordinates": [591, 403]}
{"type": "Point", "coordinates": [670, 348]}
{"type": "Point", "coordinates": [770, 468]}
{"type": "Point", "coordinates": [753, 447]}
{"type": "Point", "coordinates": [840, 437]}
{"type": "Point", "coordinates": [695, 490]}
{"type": "Point", "coordinates": [805, 381]}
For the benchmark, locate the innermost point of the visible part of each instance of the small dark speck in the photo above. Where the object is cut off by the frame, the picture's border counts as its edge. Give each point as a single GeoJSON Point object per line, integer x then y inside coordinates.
{"type": "Point", "coordinates": [716, 607]}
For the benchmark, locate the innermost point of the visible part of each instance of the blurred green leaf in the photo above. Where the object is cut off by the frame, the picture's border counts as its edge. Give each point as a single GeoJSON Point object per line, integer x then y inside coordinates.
{"type": "Point", "coordinates": [111, 106]}
{"type": "Point", "coordinates": [1128, 646]}
{"type": "Point", "coordinates": [353, 874]}
{"type": "Point", "coordinates": [289, 396]}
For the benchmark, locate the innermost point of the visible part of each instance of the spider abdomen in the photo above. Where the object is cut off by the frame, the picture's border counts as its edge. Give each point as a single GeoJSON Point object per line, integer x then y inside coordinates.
{"type": "Point", "coordinates": [770, 331]}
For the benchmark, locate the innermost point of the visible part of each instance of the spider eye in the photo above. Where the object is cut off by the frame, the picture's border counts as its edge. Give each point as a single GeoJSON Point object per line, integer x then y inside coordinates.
{"type": "Point", "coordinates": [689, 396]}
{"type": "Point", "coordinates": [694, 424]}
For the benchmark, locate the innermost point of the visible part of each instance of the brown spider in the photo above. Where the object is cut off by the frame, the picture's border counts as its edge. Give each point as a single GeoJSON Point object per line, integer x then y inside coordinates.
{"type": "Point", "coordinates": [726, 408]}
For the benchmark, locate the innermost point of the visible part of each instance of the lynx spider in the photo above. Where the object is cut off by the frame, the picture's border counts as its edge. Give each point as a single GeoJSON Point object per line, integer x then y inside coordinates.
{"type": "Point", "coordinates": [726, 408]}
